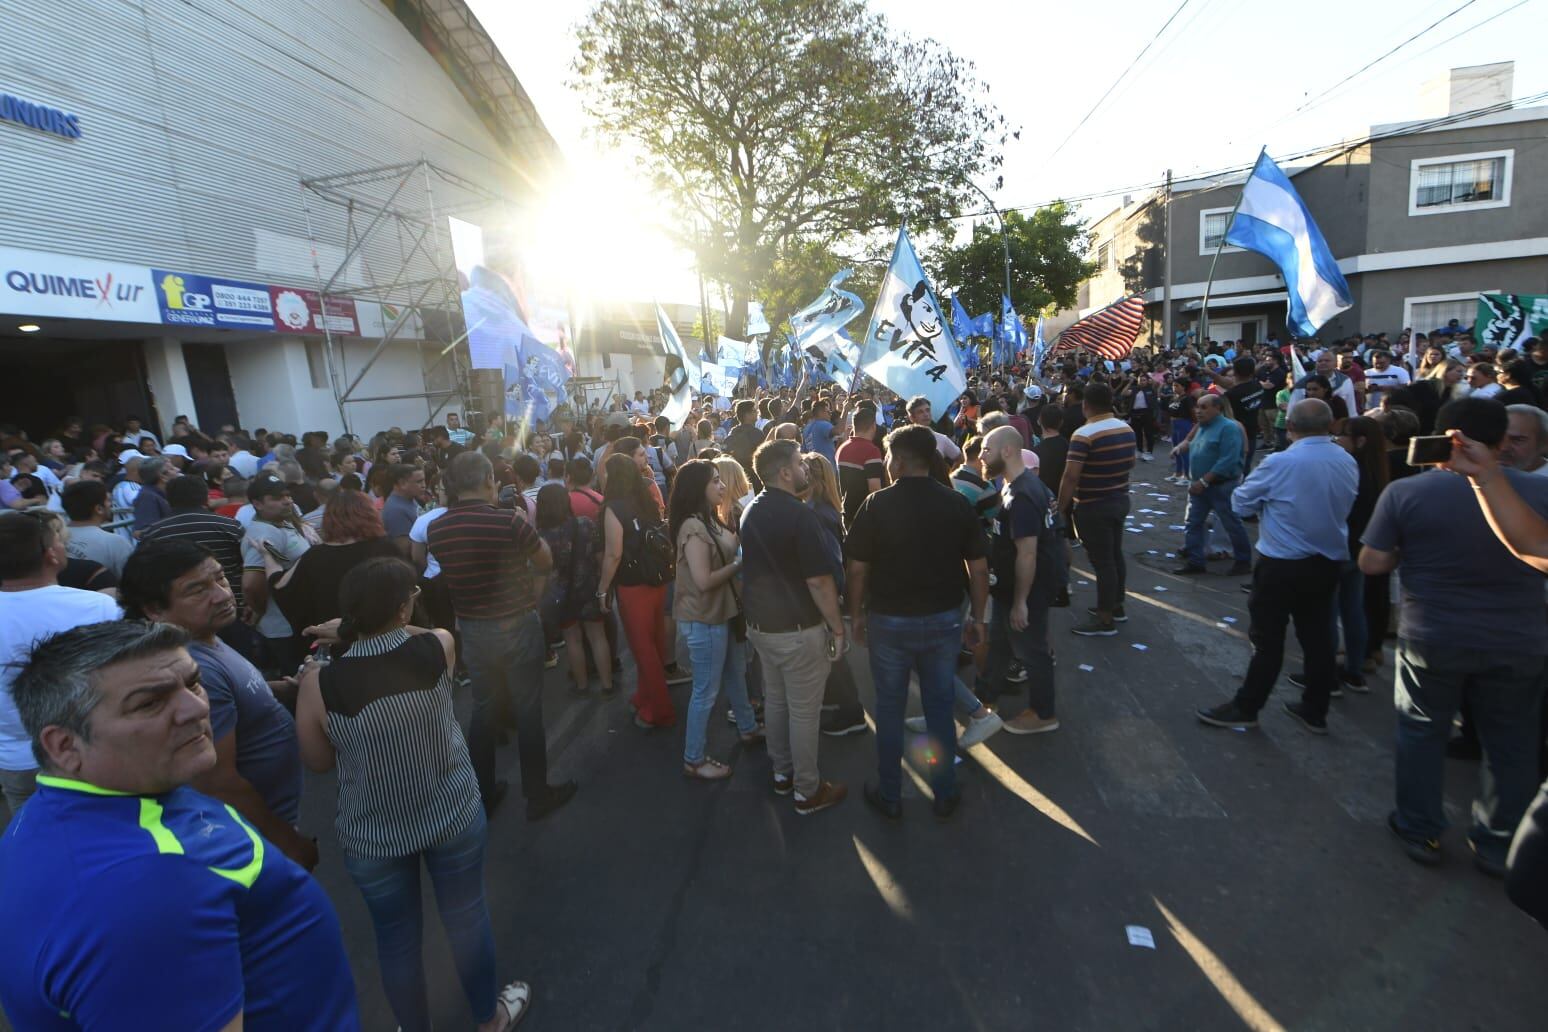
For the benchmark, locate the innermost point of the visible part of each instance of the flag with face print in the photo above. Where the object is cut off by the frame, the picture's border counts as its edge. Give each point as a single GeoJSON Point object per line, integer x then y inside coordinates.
{"type": "Point", "coordinates": [908, 346]}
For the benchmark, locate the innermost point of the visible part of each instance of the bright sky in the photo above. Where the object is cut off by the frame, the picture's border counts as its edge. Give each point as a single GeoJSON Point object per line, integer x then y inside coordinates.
{"type": "Point", "coordinates": [1221, 82]}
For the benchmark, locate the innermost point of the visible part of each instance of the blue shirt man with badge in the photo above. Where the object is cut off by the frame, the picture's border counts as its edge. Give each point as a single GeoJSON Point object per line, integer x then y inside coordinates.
{"type": "Point", "coordinates": [130, 900]}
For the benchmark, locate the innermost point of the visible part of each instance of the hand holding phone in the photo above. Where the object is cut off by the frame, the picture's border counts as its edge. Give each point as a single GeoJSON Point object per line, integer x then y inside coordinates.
{"type": "Point", "coordinates": [1429, 451]}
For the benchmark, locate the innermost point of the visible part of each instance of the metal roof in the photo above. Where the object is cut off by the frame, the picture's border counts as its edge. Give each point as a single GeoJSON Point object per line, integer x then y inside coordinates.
{"type": "Point", "coordinates": [455, 38]}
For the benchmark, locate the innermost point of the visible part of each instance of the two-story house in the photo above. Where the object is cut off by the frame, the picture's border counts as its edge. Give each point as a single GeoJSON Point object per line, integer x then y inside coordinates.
{"type": "Point", "coordinates": [1422, 217]}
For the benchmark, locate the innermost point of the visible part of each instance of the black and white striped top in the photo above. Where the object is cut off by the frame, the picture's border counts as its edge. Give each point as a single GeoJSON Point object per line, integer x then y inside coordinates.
{"type": "Point", "coordinates": [405, 781]}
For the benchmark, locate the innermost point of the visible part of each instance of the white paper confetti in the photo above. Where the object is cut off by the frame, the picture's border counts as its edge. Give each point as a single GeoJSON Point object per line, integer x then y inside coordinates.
{"type": "Point", "coordinates": [1141, 648]}
{"type": "Point", "coordinates": [1159, 587]}
{"type": "Point", "coordinates": [1140, 936]}
{"type": "Point", "coordinates": [1087, 667]}
{"type": "Point", "coordinates": [1176, 526]}
{"type": "Point", "coordinates": [1134, 530]}
{"type": "Point", "coordinates": [1147, 526]}
{"type": "Point", "coordinates": [1229, 619]}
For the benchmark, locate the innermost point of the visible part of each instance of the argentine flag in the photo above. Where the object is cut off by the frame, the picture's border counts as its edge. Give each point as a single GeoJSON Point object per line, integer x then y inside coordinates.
{"type": "Point", "coordinates": [1273, 221]}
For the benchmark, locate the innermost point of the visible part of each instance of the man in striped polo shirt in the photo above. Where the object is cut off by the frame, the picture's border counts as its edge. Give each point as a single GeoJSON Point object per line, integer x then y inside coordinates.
{"type": "Point", "coordinates": [1095, 491]}
{"type": "Point", "coordinates": [494, 562]}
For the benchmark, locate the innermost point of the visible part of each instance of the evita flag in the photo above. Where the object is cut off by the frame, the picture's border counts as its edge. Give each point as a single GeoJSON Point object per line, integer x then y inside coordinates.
{"type": "Point", "coordinates": [818, 324]}
{"type": "Point", "coordinates": [908, 346]}
{"type": "Point", "coordinates": [1273, 221]}
{"type": "Point", "coordinates": [1508, 320]}
{"type": "Point", "coordinates": [681, 374]}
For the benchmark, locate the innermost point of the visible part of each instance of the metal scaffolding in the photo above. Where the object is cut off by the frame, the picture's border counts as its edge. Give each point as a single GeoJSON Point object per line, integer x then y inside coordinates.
{"type": "Point", "coordinates": [396, 252]}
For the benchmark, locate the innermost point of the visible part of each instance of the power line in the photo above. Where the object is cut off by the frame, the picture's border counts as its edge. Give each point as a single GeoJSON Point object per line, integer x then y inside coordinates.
{"type": "Point", "coordinates": [1371, 64]}
{"type": "Point", "coordinates": [1427, 125]}
{"type": "Point", "coordinates": [1120, 78]}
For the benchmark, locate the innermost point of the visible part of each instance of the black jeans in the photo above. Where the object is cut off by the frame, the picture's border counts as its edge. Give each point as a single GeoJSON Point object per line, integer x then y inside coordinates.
{"type": "Point", "coordinates": [1030, 647]}
{"type": "Point", "coordinates": [1099, 525]}
{"type": "Point", "coordinates": [1143, 423]}
{"type": "Point", "coordinates": [1285, 590]}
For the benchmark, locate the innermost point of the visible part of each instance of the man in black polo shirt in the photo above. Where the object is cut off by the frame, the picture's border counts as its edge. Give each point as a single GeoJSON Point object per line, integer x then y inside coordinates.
{"type": "Point", "coordinates": [1246, 398]}
{"type": "Point", "coordinates": [494, 563]}
{"type": "Point", "coordinates": [745, 437]}
{"type": "Point", "coordinates": [793, 620]}
{"type": "Point", "coordinates": [909, 545]}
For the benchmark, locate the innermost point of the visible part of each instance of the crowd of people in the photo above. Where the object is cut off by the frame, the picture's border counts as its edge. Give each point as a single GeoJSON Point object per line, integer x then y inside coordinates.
{"type": "Point", "coordinates": [187, 624]}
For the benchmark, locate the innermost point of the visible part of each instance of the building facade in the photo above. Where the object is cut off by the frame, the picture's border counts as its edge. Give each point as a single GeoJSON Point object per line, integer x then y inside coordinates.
{"type": "Point", "coordinates": [1421, 216]}
{"type": "Point", "coordinates": [159, 253]}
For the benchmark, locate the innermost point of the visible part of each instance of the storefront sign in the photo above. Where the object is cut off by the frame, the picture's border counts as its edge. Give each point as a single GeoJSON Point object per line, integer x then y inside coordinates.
{"type": "Point", "coordinates": [302, 311]}
{"type": "Point", "coordinates": [190, 300]}
{"type": "Point", "coordinates": [34, 283]}
{"type": "Point", "coordinates": [41, 117]}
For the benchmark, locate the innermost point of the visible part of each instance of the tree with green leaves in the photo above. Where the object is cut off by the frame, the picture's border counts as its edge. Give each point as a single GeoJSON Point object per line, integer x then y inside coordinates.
{"type": "Point", "coordinates": [1047, 262]}
{"type": "Point", "coordinates": [779, 126]}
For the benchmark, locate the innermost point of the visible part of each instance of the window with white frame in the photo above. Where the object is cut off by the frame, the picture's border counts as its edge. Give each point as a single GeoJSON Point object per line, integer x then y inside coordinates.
{"type": "Point", "coordinates": [1460, 182]}
{"type": "Point", "coordinates": [1427, 314]}
{"type": "Point", "coordinates": [1212, 229]}
{"type": "Point", "coordinates": [1104, 255]}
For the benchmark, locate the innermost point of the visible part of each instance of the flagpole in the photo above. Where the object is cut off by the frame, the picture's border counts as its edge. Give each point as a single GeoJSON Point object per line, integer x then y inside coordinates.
{"type": "Point", "coordinates": [1210, 282]}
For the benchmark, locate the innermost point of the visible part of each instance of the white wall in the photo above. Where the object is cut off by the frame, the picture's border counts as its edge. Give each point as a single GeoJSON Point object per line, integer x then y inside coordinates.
{"type": "Point", "coordinates": [167, 376]}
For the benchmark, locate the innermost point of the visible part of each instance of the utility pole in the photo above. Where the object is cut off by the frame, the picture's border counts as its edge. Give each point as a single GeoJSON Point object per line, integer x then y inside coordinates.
{"type": "Point", "coordinates": [999, 319]}
{"type": "Point", "coordinates": [1166, 264]}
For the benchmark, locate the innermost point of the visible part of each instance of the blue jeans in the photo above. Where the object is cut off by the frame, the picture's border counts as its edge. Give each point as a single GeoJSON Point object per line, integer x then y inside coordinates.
{"type": "Point", "coordinates": [719, 660]}
{"type": "Point", "coordinates": [926, 646]}
{"type": "Point", "coordinates": [1503, 692]}
{"type": "Point", "coordinates": [505, 660]}
{"type": "Point", "coordinates": [1217, 499]}
{"type": "Point", "coordinates": [391, 891]}
{"type": "Point", "coordinates": [1349, 607]}
{"type": "Point", "coordinates": [1180, 428]}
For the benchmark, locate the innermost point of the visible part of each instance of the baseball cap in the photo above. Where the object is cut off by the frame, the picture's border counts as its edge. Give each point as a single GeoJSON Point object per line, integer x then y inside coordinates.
{"type": "Point", "coordinates": [1034, 391]}
{"type": "Point", "coordinates": [175, 449]}
{"type": "Point", "coordinates": [127, 454]}
{"type": "Point", "coordinates": [266, 486]}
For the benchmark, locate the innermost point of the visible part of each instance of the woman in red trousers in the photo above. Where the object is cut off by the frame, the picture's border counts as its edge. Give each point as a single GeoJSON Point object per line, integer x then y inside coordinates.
{"type": "Point", "coordinates": [629, 510]}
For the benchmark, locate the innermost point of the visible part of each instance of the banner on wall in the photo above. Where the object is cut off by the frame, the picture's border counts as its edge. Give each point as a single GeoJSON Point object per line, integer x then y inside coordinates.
{"type": "Point", "coordinates": [63, 287]}
{"type": "Point", "coordinates": [190, 300]}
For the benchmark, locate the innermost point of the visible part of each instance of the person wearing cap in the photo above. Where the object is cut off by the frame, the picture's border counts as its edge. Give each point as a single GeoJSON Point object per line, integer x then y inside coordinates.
{"type": "Point", "coordinates": [177, 455]}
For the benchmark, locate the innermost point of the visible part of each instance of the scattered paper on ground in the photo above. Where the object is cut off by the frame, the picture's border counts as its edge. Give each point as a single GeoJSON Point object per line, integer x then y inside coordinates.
{"type": "Point", "coordinates": [1139, 935]}
{"type": "Point", "coordinates": [1142, 648]}
{"type": "Point", "coordinates": [1087, 667]}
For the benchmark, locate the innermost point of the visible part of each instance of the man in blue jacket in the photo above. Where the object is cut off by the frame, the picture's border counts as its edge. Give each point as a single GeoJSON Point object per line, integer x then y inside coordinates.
{"type": "Point", "coordinates": [1216, 454]}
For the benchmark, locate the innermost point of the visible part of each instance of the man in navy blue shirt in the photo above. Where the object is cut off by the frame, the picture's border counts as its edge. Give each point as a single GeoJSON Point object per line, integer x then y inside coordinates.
{"type": "Point", "coordinates": [131, 901]}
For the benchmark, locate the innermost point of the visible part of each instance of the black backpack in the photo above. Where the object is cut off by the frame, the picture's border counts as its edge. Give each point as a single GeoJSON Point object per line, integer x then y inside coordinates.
{"type": "Point", "coordinates": [648, 555]}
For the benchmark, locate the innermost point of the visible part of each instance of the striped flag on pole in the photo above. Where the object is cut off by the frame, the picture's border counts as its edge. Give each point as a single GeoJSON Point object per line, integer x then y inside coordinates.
{"type": "Point", "coordinates": [1108, 334]}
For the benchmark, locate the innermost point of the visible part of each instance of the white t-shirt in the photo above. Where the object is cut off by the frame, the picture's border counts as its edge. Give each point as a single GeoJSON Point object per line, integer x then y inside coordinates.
{"type": "Point", "coordinates": [420, 532]}
{"type": "Point", "coordinates": [26, 616]}
{"type": "Point", "coordinates": [947, 447]}
{"type": "Point", "coordinates": [1390, 378]}
{"type": "Point", "coordinates": [1488, 390]}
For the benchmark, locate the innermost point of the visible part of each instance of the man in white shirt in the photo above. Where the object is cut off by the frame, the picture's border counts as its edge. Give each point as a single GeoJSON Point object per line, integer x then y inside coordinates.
{"type": "Point", "coordinates": [1383, 376]}
{"type": "Point", "coordinates": [919, 415]}
{"type": "Point", "coordinates": [639, 405]}
{"type": "Point", "coordinates": [126, 491]}
{"type": "Point", "coordinates": [86, 503]}
{"type": "Point", "coordinates": [1343, 386]}
{"type": "Point", "coordinates": [32, 606]}
{"type": "Point", "coordinates": [1481, 381]}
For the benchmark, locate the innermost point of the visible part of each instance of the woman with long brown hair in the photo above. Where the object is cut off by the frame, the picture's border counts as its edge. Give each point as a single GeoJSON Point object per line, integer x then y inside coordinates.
{"type": "Point", "coordinates": [629, 514]}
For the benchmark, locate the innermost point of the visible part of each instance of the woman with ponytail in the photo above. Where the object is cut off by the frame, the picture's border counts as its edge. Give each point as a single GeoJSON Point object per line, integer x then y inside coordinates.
{"type": "Point", "coordinates": [383, 713]}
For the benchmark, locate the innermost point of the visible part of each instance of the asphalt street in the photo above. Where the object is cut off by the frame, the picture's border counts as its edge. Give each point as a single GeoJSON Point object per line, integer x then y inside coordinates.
{"type": "Point", "coordinates": [1256, 863]}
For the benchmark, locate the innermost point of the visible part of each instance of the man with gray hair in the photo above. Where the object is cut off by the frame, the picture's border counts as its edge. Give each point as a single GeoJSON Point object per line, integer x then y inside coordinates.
{"type": "Point", "coordinates": [129, 899]}
{"type": "Point", "coordinates": [1526, 440]}
{"type": "Point", "coordinates": [1302, 497]}
{"type": "Point", "coordinates": [151, 505]}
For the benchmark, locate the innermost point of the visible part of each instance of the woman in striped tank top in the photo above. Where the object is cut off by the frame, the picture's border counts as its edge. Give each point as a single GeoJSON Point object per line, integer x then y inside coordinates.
{"type": "Point", "coordinates": [383, 713]}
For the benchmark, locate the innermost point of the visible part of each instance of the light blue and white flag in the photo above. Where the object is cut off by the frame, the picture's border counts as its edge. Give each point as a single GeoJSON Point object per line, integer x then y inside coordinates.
{"type": "Point", "coordinates": [908, 344]}
{"type": "Point", "coordinates": [1273, 220]}
{"type": "Point", "coordinates": [757, 322]}
{"type": "Point", "coordinates": [682, 373]}
{"type": "Point", "coordinates": [1012, 332]}
{"type": "Point", "coordinates": [1039, 346]}
{"type": "Point", "coordinates": [730, 352]}
{"type": "Point", "coordinates": [817, 325]}
{"type": "Point", "coordinates": [961, 325]}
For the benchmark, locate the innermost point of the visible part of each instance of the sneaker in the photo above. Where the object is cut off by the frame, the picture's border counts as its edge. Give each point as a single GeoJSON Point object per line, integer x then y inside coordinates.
{"type": "Point", "coordinates": [550, 660]}
{"type": "Point", "coordinates": [1316, 725]}
{"type": "Point", "coordinates": [1062, 600]}
{"type": "Point", "coordinates": [1299, 681]}
{"type": "Point", "coordinates": [1144, 456]}
{"type": "Point", "coordinates": [892, 809]}
{"type": "Point", "coordinates": [1015, 673]}
{"type": "Point", "coordinates": [1095, 628]}
{"type": "Point", "coordinates": [828, 794]}
{"type": "Point", "coordinates": [552, 798]}
{"type": "Point", "coordinates": [837, 725]}
{"type": "Point", "coordinates": [1028, 722]}
{"type": "Point", "coordinates": [1119, 616]}
{"type": "Point", "coordinates": [1492, 866]}
{"type": "Point", "coordinates": [1354, 682]}
{"type": "Point", "coordinates": [783, 784]}
{"type": "Point", "coordinates": [1420, 850]}
{"type": "Point", "coordinates": [916, 724]}
{"type": "Point", "coordinates": [1240, 569]}
{"type": "Point", "coordinates": [1187, 570]}
{"type": "Point", "coordinates": [677, 675]}
{"type": "Point", "coordinates": [1227, 714]}
{"type": "Point", "coordinates": [981, 728]}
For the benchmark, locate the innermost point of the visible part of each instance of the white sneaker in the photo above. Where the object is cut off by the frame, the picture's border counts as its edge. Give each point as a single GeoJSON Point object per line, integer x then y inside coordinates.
{"type": "Point", "coordinates": [916, 725]}
{"type": "Point", "coordinates": [980, 728]}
